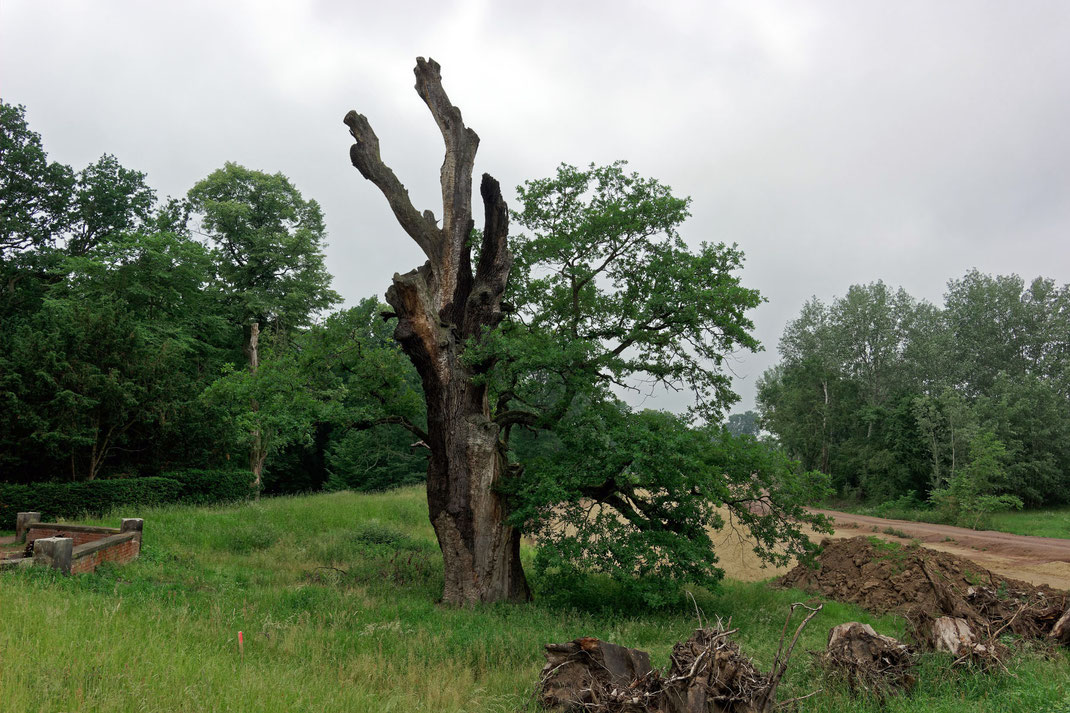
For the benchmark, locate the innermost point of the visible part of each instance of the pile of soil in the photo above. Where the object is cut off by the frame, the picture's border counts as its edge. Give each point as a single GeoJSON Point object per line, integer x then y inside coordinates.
{"type": "Point", "coordinates": [923, 584]}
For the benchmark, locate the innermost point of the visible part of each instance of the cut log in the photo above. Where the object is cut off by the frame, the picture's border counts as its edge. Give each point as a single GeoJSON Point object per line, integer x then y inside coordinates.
{"type": "Point", "coordinates": [861, 642]}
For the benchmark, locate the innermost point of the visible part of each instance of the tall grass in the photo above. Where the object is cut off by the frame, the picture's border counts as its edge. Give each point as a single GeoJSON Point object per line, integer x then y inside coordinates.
{"type": "Point", "coordinates": [336, 596]}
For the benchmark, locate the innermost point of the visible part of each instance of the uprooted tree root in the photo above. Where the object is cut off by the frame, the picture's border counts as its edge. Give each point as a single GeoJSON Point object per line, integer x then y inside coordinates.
{"type": "Point", "coordinates": [866, 661]}
{"type": "Point", "coordinates": [928, 588]}
{"type": "Point", "coordinates": [707, 674]}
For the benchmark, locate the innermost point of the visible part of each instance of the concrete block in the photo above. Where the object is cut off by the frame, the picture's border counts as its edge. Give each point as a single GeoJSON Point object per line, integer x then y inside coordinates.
{"type": "Point", "coordinates": [22, 523]}
{"type": "Point", "coordinates": [55, 552]}
{"type": "Point", "coordinates": [133, 524]}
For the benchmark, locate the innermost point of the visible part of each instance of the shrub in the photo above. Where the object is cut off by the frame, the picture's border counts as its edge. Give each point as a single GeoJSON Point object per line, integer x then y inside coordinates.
{"type": "Point", "coordinates": [206, 487]}
{"type": "Point", "coordinates": [95, 497]}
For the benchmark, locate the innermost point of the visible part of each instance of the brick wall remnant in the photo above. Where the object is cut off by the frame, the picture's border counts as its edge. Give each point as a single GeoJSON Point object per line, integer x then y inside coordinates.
{"type": "Point", "coordinates": [78, 549]}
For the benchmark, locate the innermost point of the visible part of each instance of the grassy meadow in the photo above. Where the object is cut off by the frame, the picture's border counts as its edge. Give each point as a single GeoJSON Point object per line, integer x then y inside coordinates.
{"type": "Point", "coordinates": [335, 595]}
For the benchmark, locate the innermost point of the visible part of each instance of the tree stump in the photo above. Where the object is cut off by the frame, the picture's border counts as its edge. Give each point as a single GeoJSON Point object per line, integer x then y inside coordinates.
{"type": "Point", "coordinates": [587, 671]}
{"type": "Point", "coordinates": [867, 660]}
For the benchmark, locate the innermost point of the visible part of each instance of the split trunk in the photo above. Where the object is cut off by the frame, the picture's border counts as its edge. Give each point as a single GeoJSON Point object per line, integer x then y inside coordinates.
{"type": "Point", "coordinates": [442, 307]}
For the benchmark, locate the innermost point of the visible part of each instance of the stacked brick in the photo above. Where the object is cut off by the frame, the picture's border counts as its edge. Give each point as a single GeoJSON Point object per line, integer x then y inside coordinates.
{"type": "Point", "coordinates": [78, 549]}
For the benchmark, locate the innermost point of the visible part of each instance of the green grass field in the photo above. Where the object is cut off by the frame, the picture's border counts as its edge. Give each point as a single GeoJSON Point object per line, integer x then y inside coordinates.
{"type": "Point", "coordinates": [1050, 522]}
{"type": "Point", "coordinates": [336, 596]}
{"type": "Point", "coordinates": [1042, 522]}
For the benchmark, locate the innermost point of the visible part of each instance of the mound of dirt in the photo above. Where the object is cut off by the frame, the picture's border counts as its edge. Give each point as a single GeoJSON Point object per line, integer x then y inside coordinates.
{"type": "Point", "coordinates": [923, 585]}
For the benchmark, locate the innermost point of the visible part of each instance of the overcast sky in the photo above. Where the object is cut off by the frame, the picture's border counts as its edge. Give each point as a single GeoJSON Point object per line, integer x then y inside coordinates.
{"type": "Point", "coordinates": [835, 142]}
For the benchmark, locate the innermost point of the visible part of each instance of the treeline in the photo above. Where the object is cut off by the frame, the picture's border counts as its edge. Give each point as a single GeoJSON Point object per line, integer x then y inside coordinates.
{"type": "Point", "coordinates": [140, 336]}
{"type": "Point", "coordinates": [964, 405]}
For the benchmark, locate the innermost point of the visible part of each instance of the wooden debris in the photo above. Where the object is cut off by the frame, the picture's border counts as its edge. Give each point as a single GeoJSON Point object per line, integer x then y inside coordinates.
{"type": "Point", "coordinates": [868, 661]}
{"type": "Point", "coordinates": [954, 636]}
{"type": "Point", "coordinates": [707, 674]}
{"type": "Point", "coordinates": [1061, 631]}
{"type": "Point", "coordinates": [588, 671]}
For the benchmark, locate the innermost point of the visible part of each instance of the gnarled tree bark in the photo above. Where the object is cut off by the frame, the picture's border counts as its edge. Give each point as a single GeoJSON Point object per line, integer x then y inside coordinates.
{"type": "Point", "coordinates": [440, 306]}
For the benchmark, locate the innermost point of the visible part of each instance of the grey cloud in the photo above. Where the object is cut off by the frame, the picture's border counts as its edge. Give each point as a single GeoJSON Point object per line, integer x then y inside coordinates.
{"type": "Point", "coordinates": [835, 142]}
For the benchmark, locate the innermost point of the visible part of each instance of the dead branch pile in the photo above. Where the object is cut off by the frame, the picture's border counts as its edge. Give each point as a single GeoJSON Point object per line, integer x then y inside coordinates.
{"type": "Point", "coordinates": [924, 585]}
{"type": "Point", "coordinates": [867, 661]}
{"type": "Point", "coordinates": [707, 674]}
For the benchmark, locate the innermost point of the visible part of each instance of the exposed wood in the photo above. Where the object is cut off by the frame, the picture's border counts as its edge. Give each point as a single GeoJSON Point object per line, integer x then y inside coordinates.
{"type": "Point", "coordinates": [953, 635]}
{"type": "Point", "coordinates": [707, 673]}
{"type": "Point", "coordinates": [1061, 631]}
{"type": "Point", "coordinates": [868, 661]}
{"type": "Point", "coordinates": [439, 307]}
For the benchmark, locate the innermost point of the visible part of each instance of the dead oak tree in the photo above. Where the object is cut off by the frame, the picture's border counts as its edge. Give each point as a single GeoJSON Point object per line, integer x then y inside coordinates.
{"type": "Point", "coordinates": [440, 306]}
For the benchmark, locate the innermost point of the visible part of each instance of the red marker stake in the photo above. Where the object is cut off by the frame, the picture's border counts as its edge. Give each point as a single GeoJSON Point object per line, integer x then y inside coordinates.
{"type": "Point", "coordinates": [241, 646]}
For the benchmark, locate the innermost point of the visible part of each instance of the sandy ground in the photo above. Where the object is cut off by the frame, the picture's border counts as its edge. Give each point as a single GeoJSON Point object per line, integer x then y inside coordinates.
{"type": "Point", "coordinates": [1037, 560]}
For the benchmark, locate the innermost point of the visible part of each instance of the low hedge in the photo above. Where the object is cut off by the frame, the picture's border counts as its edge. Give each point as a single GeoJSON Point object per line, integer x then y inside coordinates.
{"type": "Point", "coordinates": [95, 497]}
{"type": "Point", "coordinates": [206, 487]}
{"type": "Point", "coordinates": [70, 500]}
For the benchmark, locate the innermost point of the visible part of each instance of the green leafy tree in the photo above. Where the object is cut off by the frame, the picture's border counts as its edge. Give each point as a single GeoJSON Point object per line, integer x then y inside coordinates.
{"type": "Point", "coordinates": [1031, 419]}
{"type": "Point", "coordinates": [104, 317]}
{"type": "Point", "coordinates": [974, 492]}
{"type": "Point", "coordinates": [602, 294]}
{"type": "Point", "coordinates": [886, 393]}
{"type": "Point", "coordinates": [638, 496]}
{"type": "Point", "coordinates": [1003, 326]}
{"type": "Point", "coordinates": [109, 200]}
{"type": "Point", "coordinates": [269, 244]}
{"type": "Point", "coordinates": [378, 438]}
{"type": "Point", "coordinates": [378, 458]}
{"type": "Point", "coordinates": [607, 296]}
{"type": "Point", "coordinates": [606, 291]}
{"type": "Point", "coordinates": [946, 422]}
{"type": "Point", "coordinates": [744, 424]}
{"type": "Point", "coordinates": [36, 192]}
{"type": "Point", "coordinates": [109, 361]}
{"type": "Point", "coordinates": [289, 393]}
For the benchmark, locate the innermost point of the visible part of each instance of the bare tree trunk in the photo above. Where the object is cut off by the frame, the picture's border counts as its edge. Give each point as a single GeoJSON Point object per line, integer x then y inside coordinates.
{"type": "Point", "coordinates": [440, 306]}
{"type": "Point", "coordinates": [825, 430]}
{"type": "Point", "coordinates": [257, 453]}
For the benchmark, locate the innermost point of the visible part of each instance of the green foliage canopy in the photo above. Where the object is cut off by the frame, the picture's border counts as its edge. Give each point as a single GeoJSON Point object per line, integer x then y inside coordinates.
{"type": "Point", "coordinates": [607, 298]}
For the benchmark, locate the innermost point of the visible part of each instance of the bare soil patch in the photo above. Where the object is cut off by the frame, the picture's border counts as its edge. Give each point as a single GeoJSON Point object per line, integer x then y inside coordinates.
{"type": "Point", "coordinates": [1036, 560]}
{"type": "Point", "coordinates": [923, 585]}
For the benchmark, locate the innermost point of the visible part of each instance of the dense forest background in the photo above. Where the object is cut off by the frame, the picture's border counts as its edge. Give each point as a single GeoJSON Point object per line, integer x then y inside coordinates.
{"type": "Point", "coordinates": [139, 336]}
{"type": "Point", "coordinates": [897, 398]}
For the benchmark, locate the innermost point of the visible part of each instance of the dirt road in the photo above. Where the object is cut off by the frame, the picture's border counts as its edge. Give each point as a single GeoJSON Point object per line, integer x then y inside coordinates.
{"type": "Point", "coordinates": [1038, 560]}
